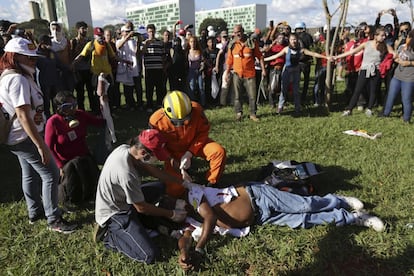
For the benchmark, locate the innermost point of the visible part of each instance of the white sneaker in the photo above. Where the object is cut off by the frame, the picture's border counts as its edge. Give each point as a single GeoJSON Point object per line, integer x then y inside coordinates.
{"type": "Point", "coordinates": [368, 112]}
{"type": "Point", "coordinates": [354, 203]}
{"type": "Point", "coordinates": [364, 219]}
{"type": "Point", "coordinates": [346, 113]}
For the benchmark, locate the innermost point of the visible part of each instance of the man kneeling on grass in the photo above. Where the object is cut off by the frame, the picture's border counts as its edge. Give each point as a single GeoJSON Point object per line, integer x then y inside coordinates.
{"type": "Point", "coordinates": [125, 207]}
{"type": "Point", "coordinates": [251, 203]}
{"type": "Point", "coordinates": [123, 202]}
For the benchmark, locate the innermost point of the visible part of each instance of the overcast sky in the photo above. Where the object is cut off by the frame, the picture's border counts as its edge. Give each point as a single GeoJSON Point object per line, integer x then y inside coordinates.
{"type": "Point", "coordinates": [292, 11]}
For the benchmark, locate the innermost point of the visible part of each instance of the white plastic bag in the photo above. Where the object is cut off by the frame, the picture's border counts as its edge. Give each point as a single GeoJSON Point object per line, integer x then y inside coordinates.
{"type": "Point", "coordinates": [214, 85]}
{"type": "Point", "coordinates": [224, 82]}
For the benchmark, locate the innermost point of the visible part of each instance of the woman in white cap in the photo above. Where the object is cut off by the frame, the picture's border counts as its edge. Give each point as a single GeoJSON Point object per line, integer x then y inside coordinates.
{"type": "Point", "coordinates": [22, 99]}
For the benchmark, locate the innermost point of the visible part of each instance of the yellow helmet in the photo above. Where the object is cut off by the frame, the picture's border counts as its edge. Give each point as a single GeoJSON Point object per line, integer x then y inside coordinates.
{"type": "Point", "coordinates": [177, 106]}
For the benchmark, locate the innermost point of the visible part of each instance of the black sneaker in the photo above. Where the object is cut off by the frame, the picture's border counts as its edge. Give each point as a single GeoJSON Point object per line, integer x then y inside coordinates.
{"type": "Point", "coordinates": [99, 233]}
{"type": "Point", "coordinates": [36, 218]}
{"type": "Point", "coordinates": [62, 226]}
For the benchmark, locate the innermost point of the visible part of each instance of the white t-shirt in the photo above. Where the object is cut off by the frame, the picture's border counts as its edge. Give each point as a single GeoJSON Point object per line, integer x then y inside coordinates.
{"type": "Point", "coordinates": [17, 90]}
{"type": "Point", "coordinates": [129, 52]}
{"type": "Point", "coordinates": [119, 185]}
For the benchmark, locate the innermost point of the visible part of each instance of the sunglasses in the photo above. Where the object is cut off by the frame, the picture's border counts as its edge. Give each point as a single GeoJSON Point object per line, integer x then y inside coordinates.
{"type": "Point", "coordinates": [32, 58]}
{"type": "Point", "coordinates": [180, 122]}
{"type": "Point", "coordinates": [65, 107]}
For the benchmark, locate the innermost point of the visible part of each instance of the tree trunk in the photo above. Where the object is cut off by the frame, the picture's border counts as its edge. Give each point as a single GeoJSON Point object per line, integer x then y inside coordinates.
{"type": "Point", "coordinates": [330, 44]}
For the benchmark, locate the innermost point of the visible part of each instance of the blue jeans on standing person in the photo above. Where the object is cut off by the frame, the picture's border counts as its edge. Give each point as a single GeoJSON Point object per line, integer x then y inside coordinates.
{"type": "Point", "coordinates": [39, 181]}
{"type": "Point", "coordinates": [196, 81]}
{"type": "Point", "coordinates": [126, 233]}
{"type": "Point", "coordinates": [320, 86]}
{"type": "Point", "coordinates": [284, 208]}
{"type": "Point", "coordinates": [406, 88]}
{"type": "Point", "coordinates": [249, 85]}
{"type": "Point", "coordinates": [290, 74]}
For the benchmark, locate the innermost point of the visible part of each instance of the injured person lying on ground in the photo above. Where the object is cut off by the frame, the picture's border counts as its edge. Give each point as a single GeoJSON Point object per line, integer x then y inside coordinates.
{"type": "Point", "coordinates": [238, 207]}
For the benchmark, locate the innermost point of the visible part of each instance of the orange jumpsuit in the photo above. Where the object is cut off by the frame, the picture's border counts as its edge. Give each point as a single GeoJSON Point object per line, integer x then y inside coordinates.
{"type": "Point", "coordinates": [193, 137]}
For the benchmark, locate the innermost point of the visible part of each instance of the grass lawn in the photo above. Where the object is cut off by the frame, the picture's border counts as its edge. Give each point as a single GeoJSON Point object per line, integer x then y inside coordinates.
{"type": "Point", "coordinates": [379, 172]}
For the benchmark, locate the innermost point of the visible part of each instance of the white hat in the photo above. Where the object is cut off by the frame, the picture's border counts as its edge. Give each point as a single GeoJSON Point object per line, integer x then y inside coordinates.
{"type": "Point", "coordinates": [142, 30]}
{"type": "Point", "coordinates": [21, 46]}
{"type": "Point", "coordinates": [125, 29]}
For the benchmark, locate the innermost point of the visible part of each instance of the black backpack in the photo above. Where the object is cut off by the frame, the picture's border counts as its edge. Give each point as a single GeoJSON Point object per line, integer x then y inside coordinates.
{"type": "Point", "coordinates": [290, 176]}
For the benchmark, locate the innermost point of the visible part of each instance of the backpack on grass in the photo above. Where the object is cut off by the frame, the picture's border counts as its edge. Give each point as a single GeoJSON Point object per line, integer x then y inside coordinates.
{"type": "Point", "coordinates": [290, 176]}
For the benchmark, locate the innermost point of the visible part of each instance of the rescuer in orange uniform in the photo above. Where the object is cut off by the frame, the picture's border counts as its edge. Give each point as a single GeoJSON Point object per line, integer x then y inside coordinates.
{"type": "Point", "coordinates": [185, 127]}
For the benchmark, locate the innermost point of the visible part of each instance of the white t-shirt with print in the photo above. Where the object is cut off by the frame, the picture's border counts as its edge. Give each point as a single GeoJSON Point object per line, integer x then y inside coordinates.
{"type": "Point", "coordinates": [17, 90]}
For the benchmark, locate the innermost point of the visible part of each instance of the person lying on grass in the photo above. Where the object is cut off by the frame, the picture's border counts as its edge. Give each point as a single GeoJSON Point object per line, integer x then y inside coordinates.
{"type": "Point", "coordinates": [250, 203]}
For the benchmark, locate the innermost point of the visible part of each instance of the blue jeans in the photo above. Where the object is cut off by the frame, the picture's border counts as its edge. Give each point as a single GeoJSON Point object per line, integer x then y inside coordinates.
{"type": "Point", "coordinates": [126, 233]}
{"type": "Point", "coordinates": [250, 87]}
{"type": "Point", "coordinates": [39, 181]}
{"type": "Point", "coordinates": [283, 208]}
{"type": "Point", "coordinates": [319, 88]}
{"type": "Point", "coordinates": [406, 89]}
{"type": "Point", "coordinates": [290, 74]}
{"type": "Point", "coordinates": [195, 78]}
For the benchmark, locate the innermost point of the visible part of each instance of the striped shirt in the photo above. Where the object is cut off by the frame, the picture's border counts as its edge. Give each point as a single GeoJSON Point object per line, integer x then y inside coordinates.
{"type": "Point", "coordinates": [153, 57]}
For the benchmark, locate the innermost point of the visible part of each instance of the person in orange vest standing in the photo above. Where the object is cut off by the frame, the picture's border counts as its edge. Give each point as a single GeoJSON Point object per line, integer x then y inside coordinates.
{"type": "Point", "coordinates": [185, 126]}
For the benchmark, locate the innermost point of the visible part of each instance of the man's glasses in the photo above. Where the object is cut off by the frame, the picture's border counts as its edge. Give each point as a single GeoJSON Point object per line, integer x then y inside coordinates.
{"type": "Point", "coordinates": [148, 154]}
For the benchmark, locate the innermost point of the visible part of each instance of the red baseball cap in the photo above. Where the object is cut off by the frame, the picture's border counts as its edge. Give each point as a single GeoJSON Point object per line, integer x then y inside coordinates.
{"type": "Point", "coordinates": [98, 31]}
{"type": "Point", "coordinates": [181, 32]}
{"type": "Point", "coordinates": [155, 142]}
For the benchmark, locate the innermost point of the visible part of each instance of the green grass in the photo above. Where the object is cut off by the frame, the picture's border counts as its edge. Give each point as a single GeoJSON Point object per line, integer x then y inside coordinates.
{"type": "Point", "coordinates": [380, 172]}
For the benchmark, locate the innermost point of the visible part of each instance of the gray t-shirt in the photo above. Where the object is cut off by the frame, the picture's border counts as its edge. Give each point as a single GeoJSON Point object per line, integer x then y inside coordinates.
{"type": "Point", "coordinates": [119, 185]}
{"type": "Point", "coordinates": [371, 59]}
{"type": "Point", "coordinates": [405, 73]}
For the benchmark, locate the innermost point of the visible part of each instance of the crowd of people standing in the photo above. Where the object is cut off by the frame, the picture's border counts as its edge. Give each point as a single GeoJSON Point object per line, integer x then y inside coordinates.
{"type": "Point", "coordinates": [197, 65]}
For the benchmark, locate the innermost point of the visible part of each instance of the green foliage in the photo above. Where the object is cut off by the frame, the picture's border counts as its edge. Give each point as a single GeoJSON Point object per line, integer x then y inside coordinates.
{"type": "Point", "coordinates": [218, 23]}
{"type": "Point", "coordinates": [37, 27]}
{"type": "Point", "coordinates": [379, 172]}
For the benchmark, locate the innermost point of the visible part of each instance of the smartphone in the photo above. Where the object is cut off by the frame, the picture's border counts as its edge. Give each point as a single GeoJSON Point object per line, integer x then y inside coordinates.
{"type": "Point", "coordinates": [271, 23]}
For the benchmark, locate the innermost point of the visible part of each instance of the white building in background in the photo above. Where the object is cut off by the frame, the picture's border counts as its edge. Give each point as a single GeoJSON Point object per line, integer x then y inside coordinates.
{"type": "Point", "coordinates": [163, 14]}
{"type": "Point", "coordinates": [250, 16]}
{"type": "Point", "coordinates": [67, 12]}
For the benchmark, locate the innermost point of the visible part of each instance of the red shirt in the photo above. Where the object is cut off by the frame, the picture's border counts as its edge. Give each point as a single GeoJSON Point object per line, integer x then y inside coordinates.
{"type": "Point", "coordinates": [67, 143]}
{"type": "Point", "coordinates": [274, 50]}
{"type": "Point", "coordinates": [353, 62]}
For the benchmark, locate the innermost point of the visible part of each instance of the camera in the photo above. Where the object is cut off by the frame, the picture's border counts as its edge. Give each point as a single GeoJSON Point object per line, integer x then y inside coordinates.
{"type": "Point", "coordinates": [20, 32]}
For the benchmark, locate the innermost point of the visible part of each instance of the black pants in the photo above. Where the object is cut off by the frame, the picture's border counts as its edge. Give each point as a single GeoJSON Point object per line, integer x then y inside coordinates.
{"type": "Point", "coordinates": [362, 82]}
{"type": "Point", "coordinates": [84, 78]}
{"type": "Point", "coordinates": [305, 68]}
{"type": "Point", "coordinates": [154, 78]}
{"type": "Point", "coordinates": [79, 181]}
